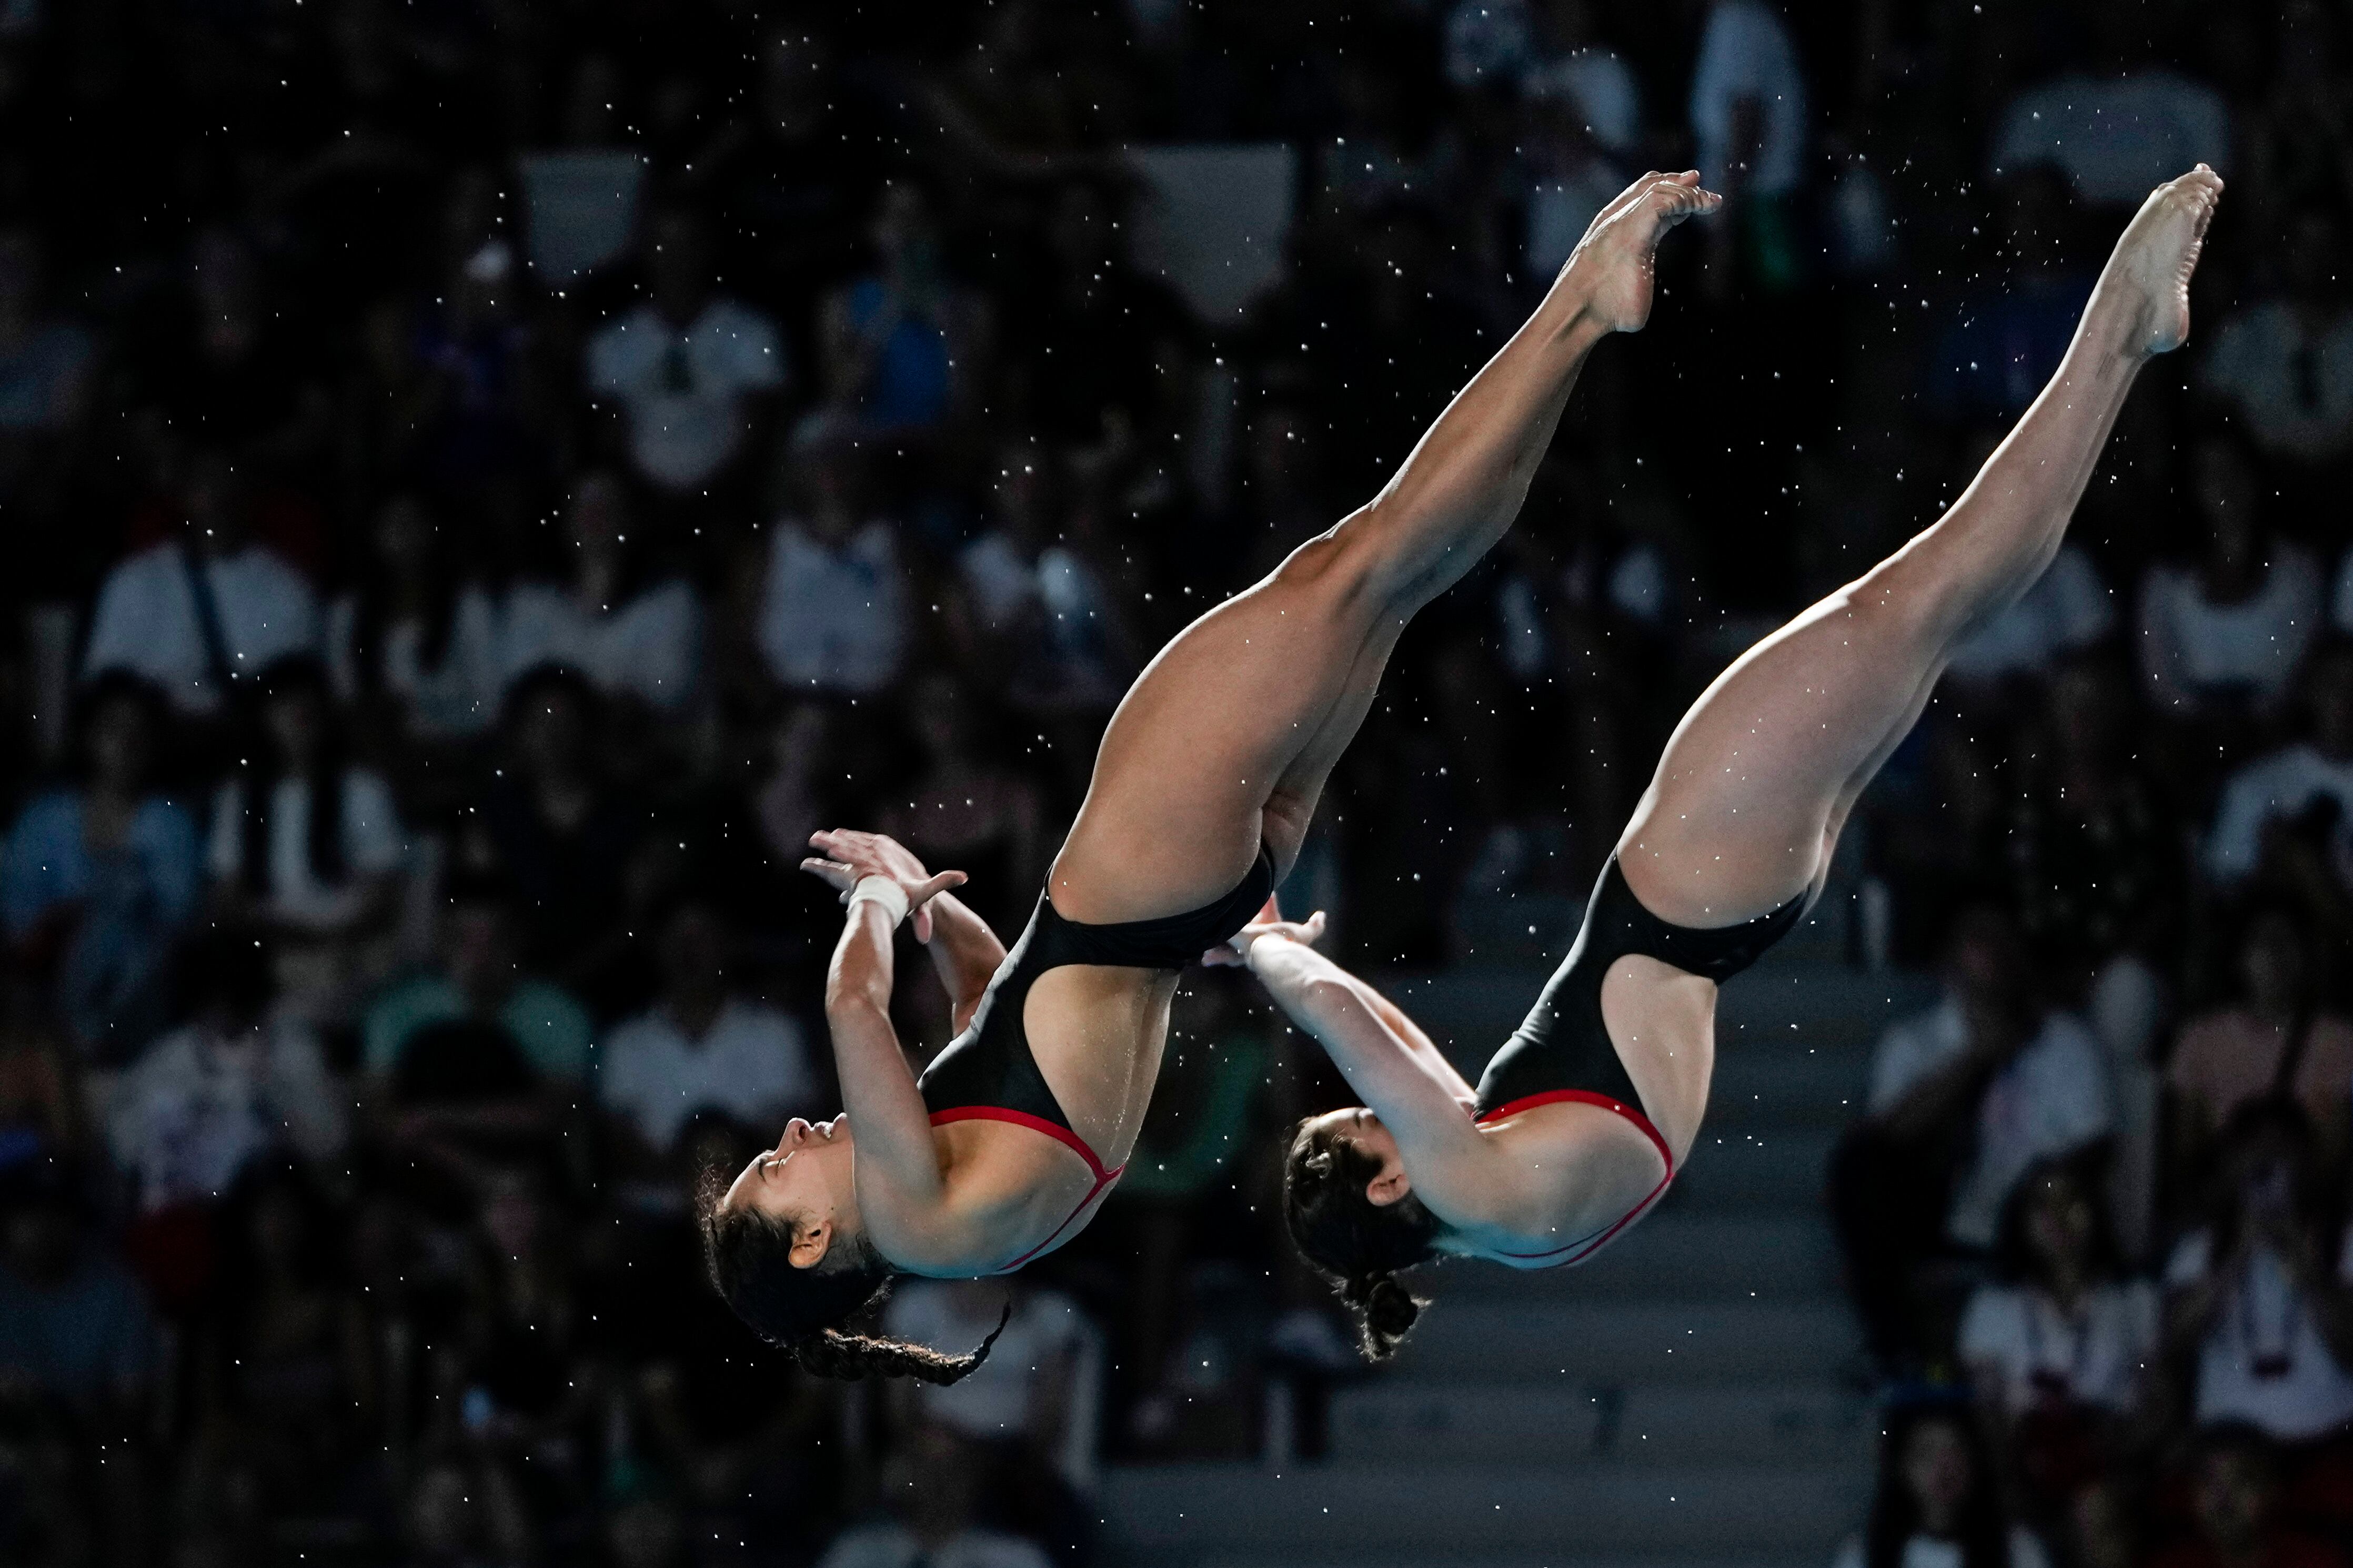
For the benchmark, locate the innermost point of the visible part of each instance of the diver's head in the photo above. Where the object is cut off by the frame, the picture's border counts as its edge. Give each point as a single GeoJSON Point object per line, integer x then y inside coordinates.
{"type": "Point", "coordinates": [786, 1248]}
{"type": "Point", "coordinates": [1352, 1213]}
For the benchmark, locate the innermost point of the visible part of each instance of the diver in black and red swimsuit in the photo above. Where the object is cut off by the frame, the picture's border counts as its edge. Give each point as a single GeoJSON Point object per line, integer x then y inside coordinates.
{"type": "Point", "coordinates": [1583, 1117]}
{"type": "Point", "coordinates": [1203, 789]}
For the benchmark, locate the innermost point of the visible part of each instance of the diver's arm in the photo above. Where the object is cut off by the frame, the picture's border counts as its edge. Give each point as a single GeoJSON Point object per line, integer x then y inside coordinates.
{"type": "Point", "coordinates": [898, 1162]}
{"type": "Point", "coordinates": [966, 955]}
{"type": "Point", "coordinates": [1401, 1075]}
{"type": "Point", "coordinates": [1405, 1033]}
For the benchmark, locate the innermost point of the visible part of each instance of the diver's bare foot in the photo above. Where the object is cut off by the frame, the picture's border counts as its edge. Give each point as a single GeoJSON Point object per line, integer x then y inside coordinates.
{"type": "Point", "coordinates": [2145, 288]}
{"type": "Point", "coordinates": [1613, 272]}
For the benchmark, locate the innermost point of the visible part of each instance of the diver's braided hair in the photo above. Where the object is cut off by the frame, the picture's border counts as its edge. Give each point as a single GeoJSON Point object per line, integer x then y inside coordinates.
{"type": "Point", "coordinates": [749, 1253]}
{"type": "Point", "coordinates": [1359, 1245]}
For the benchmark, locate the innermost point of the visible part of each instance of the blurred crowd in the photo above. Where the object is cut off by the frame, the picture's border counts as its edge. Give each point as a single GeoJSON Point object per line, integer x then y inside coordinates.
{"type": "Point", "coordinates": [483, 479]}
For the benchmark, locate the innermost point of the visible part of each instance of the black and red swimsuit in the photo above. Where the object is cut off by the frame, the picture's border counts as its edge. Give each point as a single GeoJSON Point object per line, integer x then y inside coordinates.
{"type": "Point", "coordinates": [1562, 1052]}
{"type": "Point", "coordinates": [988, 1073]}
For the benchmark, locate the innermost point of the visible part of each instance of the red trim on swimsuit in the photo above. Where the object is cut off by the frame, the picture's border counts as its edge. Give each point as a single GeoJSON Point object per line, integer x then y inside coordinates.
{"type": "Point", "coordinates": [1595, 1243]}
{"type": "Point", "coordinates": [1059, 1134]}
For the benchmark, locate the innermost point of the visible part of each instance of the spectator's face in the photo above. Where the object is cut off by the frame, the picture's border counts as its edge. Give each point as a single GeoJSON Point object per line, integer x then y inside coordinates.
{"type": "Point", "coordinates": [224, 287]}
{"type": "Point", "coordinates": [20, 273]}
{"type": "Point", "coordinates": [551, 734]}
{"type": "Point", "coordinates": [513, 1215]}
{"type": "Point", "coordinates": [678, 266]}
{"type": "Point", "coordinates": [1938, 1472]}
{"type": "Point", "coordinates": [1083, 233]}
{"type": "Point", "coordinates": [648, 1533]}
{"type": "Point", "coordinates": [2262, 1172]}
{"type": "Point", "coordinates": [277, 1232]}
{"type": "Point", "coordinates": [441, 1523]}
{"type": "Point", "coordinates": [591, 113]}
{"type": "Point", "coordinates": [40, 1240]}
{"type": "Point", "coordinates": [600, 516]}
{"type": "Point", "coordinates": [804, 1181]}
{"type": "Point", "coordinates": [929, 1484]}
{"type": "Point", "coordinates": [694, 949]}
{"type": "Point", "coordinates": [794, 75]}
{"type": "Point", "coordinates": [2231, 1496]}
{"type": "Point", "coordinates": [836, 490]}
{"type": "Point", "coordinates": [2101, 1525]}
{"type": "Point", "coordinates": [2227, 500]}
{"type": "Point", "coordinates": [1282, 452]}
{"type": "Point", "coordinates": [1022, 493]}
{"type": "Point", "coordinates": [903, 232]}
{"type": "Point", "coordinates": [214, 504]}
{"type": "Point", "coordinates": [296, 723]}
{"type": "Point", "coordinates": [940, 718]}
{"type": "Point", "coordinates": [404, 537]}
{"type": "Point", "coordinates": [1987, 968]}
{"type": "Point", "coordinates": [481, 952]}
{"type": "Point", "coordinates": [2085, 711]}
{"type": "Point", "coordinates": [1569, 24]}
{"type": "Point", "coordinates": [2331, 688]}
{"type": "Point", "coordinates": [2313, 257]}
{"type": "Point", "coordinates": [119, 745]}
{"type": "Point", "coordinates": [2059, 1222]}
{"type": "Point", "coordinates": [2271, 963]}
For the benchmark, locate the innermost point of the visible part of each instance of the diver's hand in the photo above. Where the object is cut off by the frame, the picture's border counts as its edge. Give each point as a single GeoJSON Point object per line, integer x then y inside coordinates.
{"type": "Point", "coordinates": [850, 855]}
{"type": "Point", "coordinates": [1306, 933]}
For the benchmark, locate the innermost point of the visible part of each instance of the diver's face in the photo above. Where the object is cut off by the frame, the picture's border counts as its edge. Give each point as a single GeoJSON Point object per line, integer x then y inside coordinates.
{"type": "Point", "coordinates": [1364, 1132]}
{"type": "Point", "coordinates": [804, 1181]}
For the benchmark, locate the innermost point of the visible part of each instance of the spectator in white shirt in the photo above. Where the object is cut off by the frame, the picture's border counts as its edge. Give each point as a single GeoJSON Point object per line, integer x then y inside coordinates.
{"type": "Point", "coordinates": [2235, 629]}
{"type": "Point", "coordinates": [632, 640]}
{"type": "Point", "coordinates": [2285, 365]}
{"type": "Point", "coordinates": [930, 1489]}
{"type": "Point", "coordinates": [2262, 1295]}
{"type": "Point", "coordinates": [211, 607]}
{"type": "Point", "coordinates": [415, 637]}
{"type": "Point", "coordinates": [1965, 1100]}
{"type": "Point", "coordinates": [834, 608]}
{"type": "Point", "coordinates": [233, 1083]}
{"type": "Point", "coordinates": [2040, 1089]}
{"type": "Point", "coordinates": [1029, 1413]}
{"type": "Point", "coordinates": [2306, 785]}
{"type": "Point", "coordinates": [2058, 1353]}
{"type": "Point", "coordinates": [704, 1045]}
{"type": "Point", "coordinates": [1035, 1388]}
{"type": "Point", "coordinates": [304, 845]}
{"type": "Point", "coordinates": [693, 370]}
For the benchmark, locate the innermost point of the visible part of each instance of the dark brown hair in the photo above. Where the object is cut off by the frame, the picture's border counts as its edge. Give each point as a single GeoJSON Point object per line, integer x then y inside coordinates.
{"type": "Point", "coordinates": [749, 1253]}
{"type": "Point", "coordinates": [1357, 1244]}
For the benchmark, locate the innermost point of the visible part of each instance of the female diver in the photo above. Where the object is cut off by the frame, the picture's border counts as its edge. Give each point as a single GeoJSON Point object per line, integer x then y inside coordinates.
{"type": "Point", "coordinates": [1585, 1114]}
{"type": "Point", "coordinates": [1202, 791]}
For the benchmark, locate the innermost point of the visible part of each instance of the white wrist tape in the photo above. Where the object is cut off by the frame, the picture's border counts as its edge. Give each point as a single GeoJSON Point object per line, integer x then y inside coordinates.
{"type": "Point", "coordinates": [880, 891]}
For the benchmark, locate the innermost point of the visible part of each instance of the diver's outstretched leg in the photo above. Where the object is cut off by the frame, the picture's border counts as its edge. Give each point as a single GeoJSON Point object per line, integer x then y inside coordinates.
{"type": "Point", "coordinates": [1759, 777]}
{"type": "Point", "coordinates": [1226, 737]}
